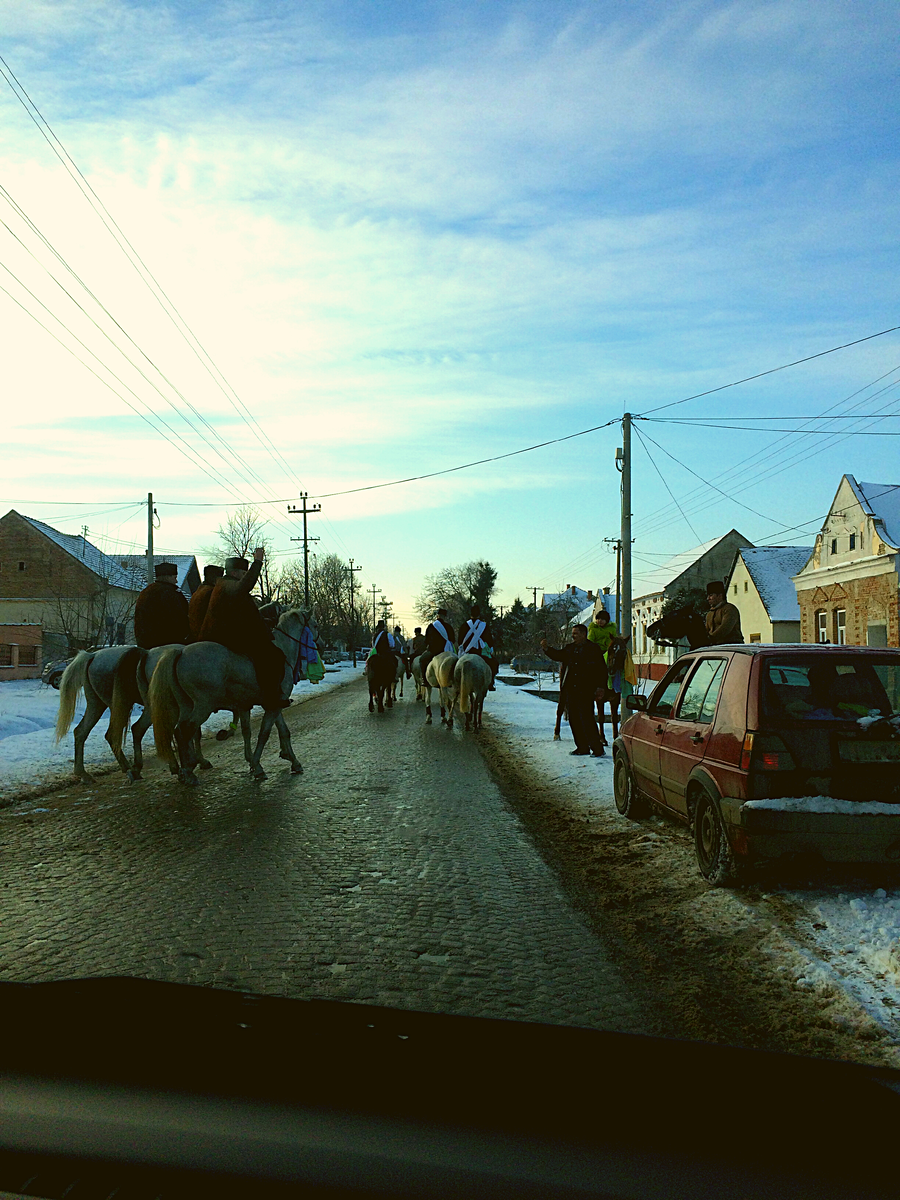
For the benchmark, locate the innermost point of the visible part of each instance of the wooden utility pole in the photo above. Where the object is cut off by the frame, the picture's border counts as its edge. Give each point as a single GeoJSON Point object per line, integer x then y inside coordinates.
{"type": "Point", "coordinates": [623, 456]}
{"type": "Point", "coordinates": [375, 592]}
{"type": "Point", "coordinates": [534, 590]}
{"type": "Point", "coordinates": [150, 573]}
{"type": "Point", "coordinates": [306, 539]}
{"type": "Point", "coordinates": [353, 571]}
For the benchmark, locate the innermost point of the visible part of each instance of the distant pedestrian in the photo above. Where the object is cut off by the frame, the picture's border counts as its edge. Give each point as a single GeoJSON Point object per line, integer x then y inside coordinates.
{"type": "Point", "coordinates": [584, 682]}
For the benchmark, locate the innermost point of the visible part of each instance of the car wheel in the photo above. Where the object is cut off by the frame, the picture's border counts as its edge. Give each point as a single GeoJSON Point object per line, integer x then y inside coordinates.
{"type": "Point", "coordinates": [629, 801]}
{"type": "Point", "coordinates": [55, 679]}
{"type": "Point", "coordinates": [715, 858]}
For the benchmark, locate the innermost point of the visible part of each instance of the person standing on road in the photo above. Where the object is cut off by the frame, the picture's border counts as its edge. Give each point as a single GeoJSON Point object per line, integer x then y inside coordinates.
{"type": "Point", "coordinates": [161, 610]}
{"type": "Point", "coordinates": [200, 599]}
{"type": "Point", "coordinates": [233, 620]}
{"type": "Point", "coordinates": [723, 621]}
{"type": "Point", "coordinates": [585, 680]}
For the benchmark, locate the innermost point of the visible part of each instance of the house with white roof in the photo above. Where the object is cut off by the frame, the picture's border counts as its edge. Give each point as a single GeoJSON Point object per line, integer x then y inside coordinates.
{"type": "Point", "coordinates": [60, 581]}
{"type": "Point", "coordinates": [848, 590]}
{"type": "Point", "coordinates": [188, 570]}
{"type": "Point", "coordinates": [761, 586]}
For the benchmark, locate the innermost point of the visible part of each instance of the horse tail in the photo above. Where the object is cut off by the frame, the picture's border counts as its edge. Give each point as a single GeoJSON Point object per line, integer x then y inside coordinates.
{"type": "Point", "coordinates": [163, 698]}
{"type": "Point", "coordinates": [70, 685]}
{"type": "Point", "coordinates": [465, 684]}
{"type": "Point", "coordinates": [123, 696]}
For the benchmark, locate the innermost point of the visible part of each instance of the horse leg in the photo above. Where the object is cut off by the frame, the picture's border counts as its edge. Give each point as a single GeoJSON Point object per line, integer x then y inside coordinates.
{"type": "Point", "coordinates": [371, 698]}
{"type": "Point", "coordinates": [138, 729]}
{"type": "Point", "coordinates": [379, 695]}
{"type": "Point", "coordinates": [92, 714]}
{"type": "Point", "coordinates": [244, 717]}
{"type": "Point", "coordinates": [203, 761]}
{"type": "Point", "coordinates": [184, 740]}
{"type": "Point", "coordinates": [264, 730]}
{"type": "Point", "coordinates": [614, 714]}
{"type": "Point", "coordinates": [287, 750]}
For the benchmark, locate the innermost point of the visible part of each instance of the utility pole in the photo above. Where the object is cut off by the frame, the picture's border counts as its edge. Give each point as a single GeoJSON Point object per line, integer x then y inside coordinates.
{"type": "Point", "coordinates": [623, 456]}
{"type": "Point", "coordinates": [375, 592]}
{"type": "Point", "coordinates": [353, 571]}
{"type": "Point", "coordinates": [385, 610]}
{"type": "Point", "coordinates": [534, 590]}
{"type": "Point", "coordinates": [306, 539]}
{"type": "Point", "coordinates": [150, 573]}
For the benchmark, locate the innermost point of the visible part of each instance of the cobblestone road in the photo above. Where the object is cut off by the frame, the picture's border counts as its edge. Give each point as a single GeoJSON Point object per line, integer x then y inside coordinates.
{"type": "Point", "coordinates": [391, 872]}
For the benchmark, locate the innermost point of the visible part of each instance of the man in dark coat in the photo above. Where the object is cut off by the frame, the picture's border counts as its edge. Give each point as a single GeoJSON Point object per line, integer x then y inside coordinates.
{"type": "Point", "coordinates": [438, 638]}
{"type": "Point", "coordinates": [200, 600]}
{"type": "Point", "coordinates": [161, 611]}
{"type": "Point", "coordinates": [723, 621]}
{"type": "Point", "coordinates": [585, 680]}
{"type": "Point", "coordinates": [233, 620]}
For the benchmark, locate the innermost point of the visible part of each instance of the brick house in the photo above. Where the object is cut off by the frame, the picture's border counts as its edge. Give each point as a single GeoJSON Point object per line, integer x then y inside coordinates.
{"type": "Point", "coordinates": [848, 591]}
{"type": "Point", "coordinates": [61, 582]}
{"type": "Point", "coordinates": [761, 587]}
{"type": "Point", "coordinates": [21, 654]}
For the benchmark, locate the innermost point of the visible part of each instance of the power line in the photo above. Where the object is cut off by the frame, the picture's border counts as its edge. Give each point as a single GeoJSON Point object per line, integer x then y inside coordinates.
{"type": "Point", "coordinates": [665, 484]}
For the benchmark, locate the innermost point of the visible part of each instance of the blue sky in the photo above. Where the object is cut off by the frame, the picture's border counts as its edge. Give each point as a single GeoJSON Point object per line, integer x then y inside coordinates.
{"type": "Point", "coordinates": [414, 235]}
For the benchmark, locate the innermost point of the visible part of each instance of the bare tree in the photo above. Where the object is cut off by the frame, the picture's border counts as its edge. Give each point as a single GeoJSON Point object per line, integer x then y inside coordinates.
{"type": "Point", "coordinates": [457, 589]}
{"type": "Point", "coordinates": [241, 533]}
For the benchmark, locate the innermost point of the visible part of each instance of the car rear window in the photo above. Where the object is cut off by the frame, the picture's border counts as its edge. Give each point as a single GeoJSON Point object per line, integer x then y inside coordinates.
{"type": "Point", "coordinates": [831, 688]}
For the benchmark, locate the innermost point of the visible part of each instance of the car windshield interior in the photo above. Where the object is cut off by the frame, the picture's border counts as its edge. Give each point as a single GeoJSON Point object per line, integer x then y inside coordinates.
{"type": "Point", "coordinates": [831, 691]}
{"type": "Point", "coordinates": [699, 700]}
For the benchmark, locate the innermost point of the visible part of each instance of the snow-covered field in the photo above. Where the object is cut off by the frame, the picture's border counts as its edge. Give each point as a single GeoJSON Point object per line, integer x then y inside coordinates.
{"type": "Point", "coordinates": [850, 940]}
{"type": "Point", "coordinates": [841, 939]}
{"type": "Point", "coordinates": [30, 755]}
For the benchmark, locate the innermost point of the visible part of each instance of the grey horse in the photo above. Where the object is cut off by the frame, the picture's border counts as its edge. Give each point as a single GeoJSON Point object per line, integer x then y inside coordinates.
{"type": "Point", "coordinates": [191, 682]}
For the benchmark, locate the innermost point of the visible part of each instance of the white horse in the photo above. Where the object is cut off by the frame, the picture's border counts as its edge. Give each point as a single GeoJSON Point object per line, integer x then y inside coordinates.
{"type": "Point", "coordinates": [439, 674]}
{"type": "Point", "coordinates": [398, 678]}
{"type": "Point", "coordinates": [101, 675]}
{"type": "Point", "coordinates": [418, 677]}
{"type": "Point", "coordinates": [472, 677]}
{"type": "Point", "coordinates": [191, 682]}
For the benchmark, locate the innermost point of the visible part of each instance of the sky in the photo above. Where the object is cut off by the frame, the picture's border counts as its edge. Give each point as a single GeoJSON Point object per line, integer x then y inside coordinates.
{"type": "Point", "coordinates": [385, 241]}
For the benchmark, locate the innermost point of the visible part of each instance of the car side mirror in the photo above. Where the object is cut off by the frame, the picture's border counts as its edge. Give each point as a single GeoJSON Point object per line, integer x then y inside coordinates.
{"type": "Point", "coordinates": [636, 702]}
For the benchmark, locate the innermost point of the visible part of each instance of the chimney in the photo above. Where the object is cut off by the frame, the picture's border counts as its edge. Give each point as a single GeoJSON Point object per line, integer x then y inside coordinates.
{"type": "Point", "coordinates": [606, 591]}
{"type": "Point", "coordinates": [590, 594]}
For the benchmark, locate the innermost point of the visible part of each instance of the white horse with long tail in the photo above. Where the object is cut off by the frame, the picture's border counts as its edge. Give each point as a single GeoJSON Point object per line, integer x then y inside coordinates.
{"type": "Point", "coordinates": [439, 674]}
{"type": "Point", "coordinates": [191, 682]}
{"type": "Point", "coordinates": [472, 677]}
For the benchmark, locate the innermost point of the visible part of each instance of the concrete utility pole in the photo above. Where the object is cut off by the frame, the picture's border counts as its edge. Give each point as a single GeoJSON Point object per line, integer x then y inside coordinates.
{"type": "Point", "coordinates": [306, 539]}
{"type": "Point", "coordinates": [150, 574]}
{"type": "Point", "coordinates": [375, 592]}
{"type": "Point", "coordinates": [623, 456]}
{"type": "Point", "coordinates": [353, 571]}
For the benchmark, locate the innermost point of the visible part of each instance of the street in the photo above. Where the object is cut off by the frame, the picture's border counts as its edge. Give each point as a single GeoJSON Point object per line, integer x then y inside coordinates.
{"type": "Point", "coordinates": [392, 872]}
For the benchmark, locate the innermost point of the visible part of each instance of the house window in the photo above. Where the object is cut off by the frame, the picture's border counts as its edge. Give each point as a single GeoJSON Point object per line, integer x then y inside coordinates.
{"type": "Point", "coordinates": [28, 656]}
{"type": "Point", "coordinates": [834, 545]}
{"type": "Point", "coordinates": [21, 566]}
{"type": "Point", "coordinates": [5, 656]}
{"type": "Point", "coordinates": [821, 625]}
{"type": "Point", "coordinates": [840, 627]}
{"type": "Point", "coordinates": [754, 637]}
{"type": "Point", "coordinates": [735, 589]}
{"type": "Point", "coordinates": [745, 585]}
{"type": "Point", "coordinates": [852, 541]}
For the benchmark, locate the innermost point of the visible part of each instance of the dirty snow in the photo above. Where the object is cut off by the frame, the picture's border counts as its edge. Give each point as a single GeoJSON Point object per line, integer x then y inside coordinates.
{"type": "Point", "coordinates": [838, 938]}
{"type": "Point", "coordinates": [30, 755]}
{"type": "Point", "coordinates": [825, 804]}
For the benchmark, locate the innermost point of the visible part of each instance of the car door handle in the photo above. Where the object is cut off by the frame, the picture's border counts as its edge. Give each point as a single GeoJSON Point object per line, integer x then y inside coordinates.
{"type": "Point", "coordinates": [660, 729]}
{"type": "Point", "coordinates": [698, 738]}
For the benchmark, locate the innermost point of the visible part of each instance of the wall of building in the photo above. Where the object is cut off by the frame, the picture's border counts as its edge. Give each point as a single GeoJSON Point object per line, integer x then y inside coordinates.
{"type": "Point", "coordinates": [20, 652]}
{"type": "Point", "coordinates": [869, 602]}
{"type": "Point", "coordinates": [742, 593]}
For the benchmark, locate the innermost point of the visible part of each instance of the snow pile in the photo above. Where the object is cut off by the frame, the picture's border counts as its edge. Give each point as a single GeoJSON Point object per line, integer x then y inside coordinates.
{"type": "Point", "coordinates": [30, 755]}
{"type": "Point", "coordinates": [825, 804]}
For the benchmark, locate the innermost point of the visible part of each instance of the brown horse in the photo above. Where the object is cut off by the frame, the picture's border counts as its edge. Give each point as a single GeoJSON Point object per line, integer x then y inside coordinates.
{"type": "Point", "coordinates": [381, 672]}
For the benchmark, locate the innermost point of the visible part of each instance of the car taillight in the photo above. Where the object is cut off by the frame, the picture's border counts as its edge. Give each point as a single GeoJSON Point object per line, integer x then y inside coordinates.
{"type": "Point", "coordinates": [766, 752]}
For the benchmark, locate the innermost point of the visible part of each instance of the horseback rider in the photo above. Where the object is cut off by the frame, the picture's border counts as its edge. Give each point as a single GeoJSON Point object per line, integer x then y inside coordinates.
{"type": "Point", "coordinates": [438, 639]}
{"type": "Point", "coordinates": [723, 621]}
{"type": "Point", "coordinates": [387, 643]}
{"type": "Point", "coordinates": [161, 610]}
{"type": "Point", "coordinates": [475, 638]}
{"type": "Point", "coordinates": [233, 620]}
{"type": "Point", "coordinates": [200, 599]}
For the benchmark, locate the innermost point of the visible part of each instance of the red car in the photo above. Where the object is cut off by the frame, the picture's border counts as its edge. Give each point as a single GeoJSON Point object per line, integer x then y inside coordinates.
{"type": "Point", "coordinates": [767, 750]}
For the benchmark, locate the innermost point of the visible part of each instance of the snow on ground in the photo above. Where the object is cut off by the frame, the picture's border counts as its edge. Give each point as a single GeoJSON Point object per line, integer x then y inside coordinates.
{"type": "Point", "coordinates": [30, 755]}
{"type": "Point", "coordinates": [843, 937]}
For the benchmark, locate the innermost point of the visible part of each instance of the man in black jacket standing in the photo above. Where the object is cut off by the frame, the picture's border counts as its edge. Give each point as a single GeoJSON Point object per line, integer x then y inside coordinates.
{"type": "Point", "coordinates": [585, 681]}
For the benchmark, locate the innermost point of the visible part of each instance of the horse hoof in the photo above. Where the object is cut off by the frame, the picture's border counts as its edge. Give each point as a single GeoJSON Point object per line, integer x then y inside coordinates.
{"type": "Point", "coordinates": [381, 708]}
{"type": "Point", "coordinates": [428, 720]}
{"type": "Point", "coordinates": [205, 765]}
{"type": "Point", "coordinates": [189, 779]}
{"type": "Point", "coordinates": [296, 769]}
{"type": "Point", "coordinates": [556, 737]}
{"type": "Point", "coordinates": [371, 706]}
{"type": "Point", "coordinates": [133, 776]}
{"type": "Point", "coordinates": [224, 734]}
{"type": "Point", "coordinates": [259, 776]}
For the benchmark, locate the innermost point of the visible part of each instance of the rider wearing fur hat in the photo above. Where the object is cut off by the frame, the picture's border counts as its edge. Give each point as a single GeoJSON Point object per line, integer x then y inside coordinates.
{"type": "Point", "coordinates": [200, 599]}
{"type": "Point", "coordinates": [233, 620]}
{"type": "Point", "coordinates": [161, 611]}
{"type": "Point", "coordinates": [723, 621]}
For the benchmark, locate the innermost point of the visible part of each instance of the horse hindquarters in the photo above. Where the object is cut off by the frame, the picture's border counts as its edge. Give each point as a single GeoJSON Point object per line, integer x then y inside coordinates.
{"type": "Point", "coordinates": [165, 698]}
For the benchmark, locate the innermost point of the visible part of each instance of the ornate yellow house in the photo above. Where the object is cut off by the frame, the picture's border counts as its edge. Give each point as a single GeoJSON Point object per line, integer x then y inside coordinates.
{"type": "Point", "coordinates": [848, 591]}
